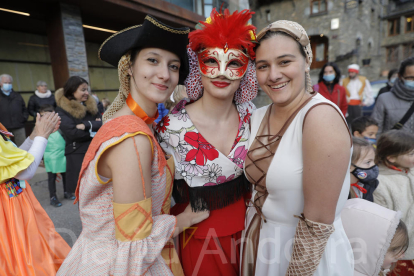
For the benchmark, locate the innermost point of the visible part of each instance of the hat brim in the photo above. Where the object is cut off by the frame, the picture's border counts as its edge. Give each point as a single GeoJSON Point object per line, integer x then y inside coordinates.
{"type": "Point", "coordinates": [152, 33]}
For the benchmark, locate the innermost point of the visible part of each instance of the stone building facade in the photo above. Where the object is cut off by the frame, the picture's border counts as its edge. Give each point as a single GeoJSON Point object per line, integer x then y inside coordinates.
{"type": "Point", "coordinates": [398, 38]}
{"type": "Point", "coordinates": [348, 31]}
{"type": "Point", "coordinates": [340, 30]}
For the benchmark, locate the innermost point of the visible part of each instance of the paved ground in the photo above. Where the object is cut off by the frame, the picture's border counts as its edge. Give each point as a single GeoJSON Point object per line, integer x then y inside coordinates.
{"type": "Point", "coordinates": [66, 218]}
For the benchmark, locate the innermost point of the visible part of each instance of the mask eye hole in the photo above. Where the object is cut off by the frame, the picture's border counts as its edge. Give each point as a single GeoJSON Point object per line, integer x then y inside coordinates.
{"type": "Point", "coordinates": [210, 62]}
{"type": "Point", "coordinates": [234, 64]}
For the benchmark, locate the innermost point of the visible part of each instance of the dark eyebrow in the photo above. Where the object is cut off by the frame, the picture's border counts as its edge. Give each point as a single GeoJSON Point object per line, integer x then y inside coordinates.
{"type": "Point", "coordinates": [286, 55]}
{"type": "Point", "coordinates": [279, 57]}
{"type": "Point", "coordinates": [152, 53]}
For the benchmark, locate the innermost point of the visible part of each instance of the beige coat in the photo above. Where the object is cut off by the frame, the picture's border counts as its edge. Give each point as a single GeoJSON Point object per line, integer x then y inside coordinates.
{"type": "Point", "coordinates": [396, 192]}
{"type": "Point", "coordinates": [370, 229]}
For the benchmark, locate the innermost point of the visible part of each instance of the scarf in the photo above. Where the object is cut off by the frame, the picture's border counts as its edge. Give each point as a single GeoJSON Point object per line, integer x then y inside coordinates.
{"type": "Point", "coordinates": [43, 95]}
{"type": "Point", "coordinates": [402, 92]}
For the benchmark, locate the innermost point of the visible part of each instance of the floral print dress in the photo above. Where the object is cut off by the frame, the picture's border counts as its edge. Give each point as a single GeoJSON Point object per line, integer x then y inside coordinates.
{"type": "Point", "coordinates": [197, 161]}
{"type": "Point", "coordinates": [208, 180]}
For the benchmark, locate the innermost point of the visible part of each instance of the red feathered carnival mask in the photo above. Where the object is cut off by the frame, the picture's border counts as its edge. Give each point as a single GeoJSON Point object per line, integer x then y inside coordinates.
{"type": "Point", "coordinates": [223, 46]}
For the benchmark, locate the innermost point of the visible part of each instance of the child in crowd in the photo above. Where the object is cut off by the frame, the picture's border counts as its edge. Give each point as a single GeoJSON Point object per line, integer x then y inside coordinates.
{"type": "Point", "coordinates": [395, 157]}
{"type": "Point", "coordinates": [363, 170]}
{"type": "Point", "coordinates": [366, 128]}
{"type": "Point", "coordinates": [378, 237]}
{"type": "Point", "coordinates": [106, 103]}
{"type": "Point", "coordinates": [54, 159]}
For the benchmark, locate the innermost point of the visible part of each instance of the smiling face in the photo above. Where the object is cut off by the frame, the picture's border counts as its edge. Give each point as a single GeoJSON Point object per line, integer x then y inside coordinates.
{"type": "Point", "coordinates": [81, 94]}
{"type": "Point", "coordinates": [220, 88]}
{"type": "Point", "coordinates": [281, 69]}
{"type": "Point", "coordinates": [156, 74]}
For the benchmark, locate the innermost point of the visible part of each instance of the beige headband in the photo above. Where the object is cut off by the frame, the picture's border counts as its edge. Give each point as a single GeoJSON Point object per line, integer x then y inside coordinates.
{"type": "Point", "coordinates": [298, 33]}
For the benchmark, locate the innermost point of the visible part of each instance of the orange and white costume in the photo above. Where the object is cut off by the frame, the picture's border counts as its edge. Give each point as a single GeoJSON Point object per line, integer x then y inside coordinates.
{"type": "Point", "coordinates": [123, 239]}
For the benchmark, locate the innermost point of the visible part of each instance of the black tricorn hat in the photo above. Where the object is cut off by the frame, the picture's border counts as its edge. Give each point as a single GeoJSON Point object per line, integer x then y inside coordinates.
{"type": "Point", "coordinates": [151, 33]}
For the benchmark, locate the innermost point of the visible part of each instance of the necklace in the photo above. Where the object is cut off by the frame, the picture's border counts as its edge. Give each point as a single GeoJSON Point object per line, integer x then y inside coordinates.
{"type": "Point", "coordinates": [132, 104]}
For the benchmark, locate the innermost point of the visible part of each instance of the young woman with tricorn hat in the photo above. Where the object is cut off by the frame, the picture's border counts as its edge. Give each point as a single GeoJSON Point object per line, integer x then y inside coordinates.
{"type": "Point", "coordinates": [125, 182]}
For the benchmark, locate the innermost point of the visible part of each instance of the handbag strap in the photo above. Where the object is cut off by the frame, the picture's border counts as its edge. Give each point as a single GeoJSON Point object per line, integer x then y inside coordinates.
{"type": "Point", "coordinates": [404, 119]}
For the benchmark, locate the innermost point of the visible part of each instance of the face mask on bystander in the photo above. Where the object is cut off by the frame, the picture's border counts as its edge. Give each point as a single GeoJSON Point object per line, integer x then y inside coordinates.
{"type": "Point", "coordinates": [365, 175]}
{"type": "Point", "coordinates": [7, 87]}
{"type": "Point", "coordinates": [329, 77]}
{"type": "Point", "coordinates": [409, 84]}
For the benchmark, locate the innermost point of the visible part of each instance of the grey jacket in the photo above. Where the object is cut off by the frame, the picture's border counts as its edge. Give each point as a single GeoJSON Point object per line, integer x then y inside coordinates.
{"type": "Point", "coordinates": [389, 110]}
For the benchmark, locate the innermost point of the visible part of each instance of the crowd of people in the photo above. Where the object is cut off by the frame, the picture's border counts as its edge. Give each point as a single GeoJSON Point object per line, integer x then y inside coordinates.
{"type": "Point", "coordinates": [183, 175]}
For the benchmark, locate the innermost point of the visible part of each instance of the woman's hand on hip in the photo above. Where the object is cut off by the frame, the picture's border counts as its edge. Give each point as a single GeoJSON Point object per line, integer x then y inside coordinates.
{"type": "Point", "coordinates": [188, 218]}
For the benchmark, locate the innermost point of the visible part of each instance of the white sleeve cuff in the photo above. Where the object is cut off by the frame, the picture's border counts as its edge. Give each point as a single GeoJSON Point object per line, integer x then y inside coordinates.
{"type": "Point", "coordinates": [37, 150]}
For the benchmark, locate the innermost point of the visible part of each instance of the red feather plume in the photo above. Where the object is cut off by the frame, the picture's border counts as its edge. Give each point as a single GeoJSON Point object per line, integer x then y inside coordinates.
{"type": "Point", "coordinates": [230, 29]}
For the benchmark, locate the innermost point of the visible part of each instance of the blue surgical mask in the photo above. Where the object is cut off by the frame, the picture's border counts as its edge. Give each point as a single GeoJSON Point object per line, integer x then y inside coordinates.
{"type": "Point", "coordinates": [392, 80]}
{"type": "Point", "coordinates": [329, 77]}
{"type": "Point", "coordinates": [7, 87]}
{"type": "Point", "coordinates": [409, 84]}
{"type": "Point", "coordinates": [372, 141]}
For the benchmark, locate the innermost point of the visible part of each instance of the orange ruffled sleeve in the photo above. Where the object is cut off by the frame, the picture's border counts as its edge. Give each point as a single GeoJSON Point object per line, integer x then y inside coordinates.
{"type": "Point", "coordinates": [12, 160]}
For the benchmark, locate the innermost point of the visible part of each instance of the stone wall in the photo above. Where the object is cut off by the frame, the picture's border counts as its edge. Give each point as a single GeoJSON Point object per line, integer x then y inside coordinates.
{"type": "Point", "coordinates": [74, 41]}
{"type": "Point", "coordinates": [357, 38]}
{"type": "Point", "coordinates": [397, 11]}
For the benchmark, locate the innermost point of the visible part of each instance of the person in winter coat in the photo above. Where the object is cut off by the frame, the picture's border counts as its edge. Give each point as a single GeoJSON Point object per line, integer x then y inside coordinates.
{"type": "Point", "coordinates": [395, 156]}
{"type": "Point", "coordinates": [378, 237]}
{"type": "Point", "coordinates": [13, 112]}
{"type": "Point", "coordinates": [328, 86]}
{"type": "Point", "coordinates": [42, 96]}
{"type": "Point", "coordinates": [392, 106]}
{"type": "Point", "coordinates": [80, 120]}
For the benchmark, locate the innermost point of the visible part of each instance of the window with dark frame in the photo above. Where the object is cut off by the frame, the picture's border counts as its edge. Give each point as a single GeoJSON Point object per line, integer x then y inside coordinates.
{"type": "Point", "coordinates": [408, 50]}
{"type": "Point", "coordinates": [409, 24]}
{"type": "Point", "coordinates": [394, 26]}
{"type": "Point", "coordinates": [318, 6]}
{"type": "Point", "coordinates": [208, 7]}
{"type": "Point", "coordinates": [320, 46]}
{"type": "Point", "coordinates": [392, 54]}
